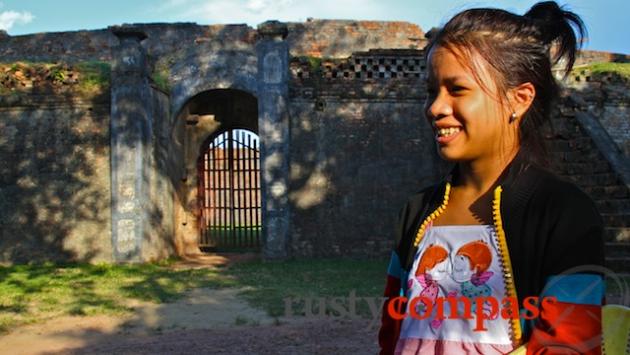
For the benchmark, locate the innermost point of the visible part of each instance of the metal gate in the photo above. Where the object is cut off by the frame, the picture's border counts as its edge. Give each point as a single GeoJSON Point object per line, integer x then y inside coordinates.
{"type": "Point", "coordinates": [229, 191]}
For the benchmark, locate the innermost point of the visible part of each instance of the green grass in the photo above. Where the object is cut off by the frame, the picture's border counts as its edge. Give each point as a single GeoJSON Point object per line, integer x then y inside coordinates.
{"type": "Point", "coordinates": [272, 281]}
{"type": "Point", "coordinates": [622, 69]}
{"type": "Point", "coordinates": [33, 293]}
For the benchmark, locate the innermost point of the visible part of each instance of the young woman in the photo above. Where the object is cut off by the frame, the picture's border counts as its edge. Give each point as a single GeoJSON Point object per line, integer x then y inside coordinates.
{"type": "Point", "coordinates": [521, 245]}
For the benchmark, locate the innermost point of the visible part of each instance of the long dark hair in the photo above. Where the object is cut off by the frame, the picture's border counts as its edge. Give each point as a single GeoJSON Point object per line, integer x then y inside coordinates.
{"type": "Point", "coordinates": [518, 49]}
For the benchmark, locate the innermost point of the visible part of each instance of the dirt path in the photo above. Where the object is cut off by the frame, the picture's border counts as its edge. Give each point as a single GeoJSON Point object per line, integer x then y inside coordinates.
{"type": "Point", "coordinates": [207, 321]}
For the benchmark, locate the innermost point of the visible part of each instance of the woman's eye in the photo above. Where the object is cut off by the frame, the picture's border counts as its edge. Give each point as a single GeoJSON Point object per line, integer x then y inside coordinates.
{"type": "Point", "coordinates": [458, 88]}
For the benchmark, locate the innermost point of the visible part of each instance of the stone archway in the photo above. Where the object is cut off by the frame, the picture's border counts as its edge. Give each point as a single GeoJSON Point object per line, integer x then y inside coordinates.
{"type": "Point", "coordinates": [203, 116]}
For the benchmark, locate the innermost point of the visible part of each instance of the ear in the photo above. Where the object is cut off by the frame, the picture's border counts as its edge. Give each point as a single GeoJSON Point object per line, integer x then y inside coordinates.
{"type": "Point", "coordinates": [522, 97]}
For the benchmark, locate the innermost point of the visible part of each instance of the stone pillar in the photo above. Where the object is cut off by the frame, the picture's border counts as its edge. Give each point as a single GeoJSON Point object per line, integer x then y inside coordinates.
{"type": "Point", "coordinates": [273, 123]}
{"type": "Point", "coordinates": [130, 139]}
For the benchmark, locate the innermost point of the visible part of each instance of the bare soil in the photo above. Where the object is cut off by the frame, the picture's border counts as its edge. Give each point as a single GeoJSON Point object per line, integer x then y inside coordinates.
{"type": "Point", "coordinates": [208, 321]}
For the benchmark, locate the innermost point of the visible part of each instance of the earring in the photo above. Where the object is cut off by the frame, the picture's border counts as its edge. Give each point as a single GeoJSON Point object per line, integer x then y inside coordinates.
{"type": "Point", "coordinates": [512, 117]}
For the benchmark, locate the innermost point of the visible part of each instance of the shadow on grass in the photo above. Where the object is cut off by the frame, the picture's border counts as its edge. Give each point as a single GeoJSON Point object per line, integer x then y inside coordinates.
{"type": "Point", "coordinates": [30, 293]}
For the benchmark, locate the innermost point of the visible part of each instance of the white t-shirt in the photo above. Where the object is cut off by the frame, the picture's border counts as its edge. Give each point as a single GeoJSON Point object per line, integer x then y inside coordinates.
{"type": "Point", "coordinates": [460, 261]}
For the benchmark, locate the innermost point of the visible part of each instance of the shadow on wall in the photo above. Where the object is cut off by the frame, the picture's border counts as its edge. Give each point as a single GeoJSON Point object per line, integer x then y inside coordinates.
{"type": "Point", "coordinates": [353, 164]}
{"type": "Point", "coordinates": [54, 177]}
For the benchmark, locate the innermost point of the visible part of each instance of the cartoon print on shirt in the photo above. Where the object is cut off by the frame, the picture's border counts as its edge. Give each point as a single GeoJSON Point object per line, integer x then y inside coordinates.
{"type": "Point", "coordinates": [469, 269]}
{"type": "Point", "coordinates": [433, 266]}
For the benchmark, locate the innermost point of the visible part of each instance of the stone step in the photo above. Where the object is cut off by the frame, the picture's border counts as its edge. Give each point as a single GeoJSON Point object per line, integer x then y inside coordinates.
{"type": "Point", "coordinates": [613, 234]}
{"type": "Point", "coordinates": [577, 157]}
{"type": "Point", "coordinates": [616, 219]}
{"type": "Point", "coordinates": [618, 263]}
{"type": "Point", "coordinates": [564, 144]}
{"type": "Point", "coordinates": [617, 249]}
{"type": "Point", "coordinates": [593, 167]}
{"type": "Point", "coordinates": [582, 144]}
{"type": "Point", "coordinates": [599, 179]}
{"type": "Point", "coordinates": [621, 206]}
{"type": "Point", "coordinates": [559, 146]}
{"type": "Point", "coordinates": [608, 192]}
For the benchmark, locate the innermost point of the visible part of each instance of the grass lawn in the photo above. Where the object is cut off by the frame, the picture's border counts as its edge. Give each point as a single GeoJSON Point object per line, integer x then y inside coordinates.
{"type": "Point", "coordinates": [33, 293]}
{"type": "Point", "coordinates": [272, 282]}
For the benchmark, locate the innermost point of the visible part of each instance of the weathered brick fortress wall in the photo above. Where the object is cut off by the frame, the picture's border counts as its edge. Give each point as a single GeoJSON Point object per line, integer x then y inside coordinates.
{"type": "Point", "coordinates": [607, 96]}
{"type": "Point", "coordinates": [359, 147]}
{"type": "Point", "coordinates": [340, 39]}
{"type": "Point", "coordinates": [55, 178]}
{"type": "Point", "coordinates": [358, 144]}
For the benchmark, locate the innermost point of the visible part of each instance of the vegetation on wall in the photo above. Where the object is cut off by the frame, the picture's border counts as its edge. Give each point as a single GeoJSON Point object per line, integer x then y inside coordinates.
{"type": "Point", "coordinates": [314, 63]}
{"type": "Point", "coordinates": [161, 71]}
{"type": "Point", "coordinates": [160, 79]}
{"type": "Point", "coordinates": [618, 70]}
{"type": "Point", "coordinates": [90, 77]}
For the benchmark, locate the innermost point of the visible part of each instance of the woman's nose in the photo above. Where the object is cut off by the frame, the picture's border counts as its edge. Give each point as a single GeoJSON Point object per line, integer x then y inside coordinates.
{"type": "Point", "coordinates": [437, 107]}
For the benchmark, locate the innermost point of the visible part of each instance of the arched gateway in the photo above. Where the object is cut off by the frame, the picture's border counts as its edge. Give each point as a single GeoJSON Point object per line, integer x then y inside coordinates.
{"type": "Point", "coordinates": [229, 196]}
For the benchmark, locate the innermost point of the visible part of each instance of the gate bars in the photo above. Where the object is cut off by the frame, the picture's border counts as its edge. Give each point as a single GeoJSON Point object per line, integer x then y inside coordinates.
{"type": "Point", "coordinates": [229, 191]}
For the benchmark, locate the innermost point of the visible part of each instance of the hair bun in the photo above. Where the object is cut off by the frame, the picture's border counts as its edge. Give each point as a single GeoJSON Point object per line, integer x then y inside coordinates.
{"type": "Point", "coordinates": [548, 16]}
{"type": "Point", "coordinates": [556, 24]}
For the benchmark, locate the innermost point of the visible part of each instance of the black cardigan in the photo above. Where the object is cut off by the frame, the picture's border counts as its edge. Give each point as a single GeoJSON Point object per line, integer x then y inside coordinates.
{"type": "Point", "coordinates": [550, 224]}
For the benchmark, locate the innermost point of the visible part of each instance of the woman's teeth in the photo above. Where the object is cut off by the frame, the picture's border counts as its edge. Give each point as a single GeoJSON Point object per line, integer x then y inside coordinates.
{"type": "Point", "coordinates": [445, 132]}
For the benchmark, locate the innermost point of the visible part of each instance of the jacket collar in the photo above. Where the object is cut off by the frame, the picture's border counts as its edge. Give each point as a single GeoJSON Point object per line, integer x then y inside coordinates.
{"type": "Point", "coordinates": [518, 186]}
{"type": "Point", "coordinates": [519, 164]}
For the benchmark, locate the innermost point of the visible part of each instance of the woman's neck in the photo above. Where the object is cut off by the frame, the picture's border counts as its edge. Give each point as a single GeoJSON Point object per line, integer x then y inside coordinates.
{"type": "Point", "coordinates": [480, 175]}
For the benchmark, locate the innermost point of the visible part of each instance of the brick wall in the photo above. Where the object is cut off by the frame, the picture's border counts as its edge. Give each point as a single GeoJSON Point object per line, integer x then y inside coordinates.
{"type": "Point", "coordinates": [608, 98]}
{"type": "Point", "coordinates": [54, 179]}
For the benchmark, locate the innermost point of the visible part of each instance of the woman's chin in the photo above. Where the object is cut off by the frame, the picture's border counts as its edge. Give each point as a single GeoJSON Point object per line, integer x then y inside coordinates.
{"type": "Point", "coordinates": [449, 154]}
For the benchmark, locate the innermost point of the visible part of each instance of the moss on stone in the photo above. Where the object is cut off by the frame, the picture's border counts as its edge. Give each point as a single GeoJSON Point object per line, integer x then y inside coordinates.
{"type": "Point", "coordinates": [89, 77]}
{"type": "Point", "coordinates": [95, 75]}
{"type": "Point", "coordinates": [603, 68]}
{"type": "Point", "coordinates": [314, 63]}
{"type": "Point", "coordinates": [160, 79]}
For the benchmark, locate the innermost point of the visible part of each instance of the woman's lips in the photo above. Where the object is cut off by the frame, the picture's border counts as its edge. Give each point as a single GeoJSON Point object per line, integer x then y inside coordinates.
{"type": "Point", "coordinates": [447, 139]}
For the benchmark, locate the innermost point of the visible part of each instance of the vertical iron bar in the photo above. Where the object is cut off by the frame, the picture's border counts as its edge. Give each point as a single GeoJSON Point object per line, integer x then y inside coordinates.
{"type": "Point", "coordinates": [257, 191]}
{"type": "Point", "coordinates": [237, 199]}
{"type": "Point", "coordinates": [199, 200]}
{"type": "Point", "coordinates": [252, 204]}
{"type": "Point", "coordinates": [215, 198]}
{"type": "Point", "coordinates": [209, 194]}
{"type": "Point", "coordinates": [231, 178]}
{"type": "Point", "coordinates": [222, 190]}
{"type": "Point", "coordinates": [241, 189]}
{"type": "Point", "coordinates": [235, 210]}
{"type": "Point", "coordinates": [203, 195]}
{"type": "Point", "coordinates": [226, 188]}
{"type": "Point", "coordinates": [245, 189]}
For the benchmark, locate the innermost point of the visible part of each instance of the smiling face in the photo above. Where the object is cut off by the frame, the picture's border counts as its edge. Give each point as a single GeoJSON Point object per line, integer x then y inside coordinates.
{"type": "Point", "coordinates": [468, 120]}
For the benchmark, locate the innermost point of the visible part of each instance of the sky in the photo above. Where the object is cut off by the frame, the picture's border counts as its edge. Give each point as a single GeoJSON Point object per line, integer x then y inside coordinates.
{"type": "Point", "coordinates": [606, 20]}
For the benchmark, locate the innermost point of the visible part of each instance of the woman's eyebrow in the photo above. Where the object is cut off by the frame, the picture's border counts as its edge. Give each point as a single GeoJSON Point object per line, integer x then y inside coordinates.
{"type": "Point", "coordinates": [448, 80]}
{"type": "Point", "coordinates": [452, 79]}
